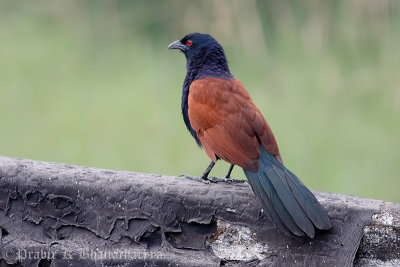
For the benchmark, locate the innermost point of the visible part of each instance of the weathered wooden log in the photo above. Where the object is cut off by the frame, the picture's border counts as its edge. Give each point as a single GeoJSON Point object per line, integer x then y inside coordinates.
{"type": "Point", "coordinates": [54, 214]}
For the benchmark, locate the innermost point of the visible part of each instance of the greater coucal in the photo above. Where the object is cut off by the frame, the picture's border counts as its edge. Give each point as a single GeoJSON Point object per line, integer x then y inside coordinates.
{"type": "Point", "coordinates": [223, 119]}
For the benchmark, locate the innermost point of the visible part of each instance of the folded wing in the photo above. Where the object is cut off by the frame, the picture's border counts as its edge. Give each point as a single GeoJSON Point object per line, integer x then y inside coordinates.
{"type": "Point", "coordinates": [227, 122]}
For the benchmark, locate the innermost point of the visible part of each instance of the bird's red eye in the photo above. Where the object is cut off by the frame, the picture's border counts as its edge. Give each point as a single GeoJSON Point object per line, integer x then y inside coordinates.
{"type": "Point", "coordinates": [189, 43]}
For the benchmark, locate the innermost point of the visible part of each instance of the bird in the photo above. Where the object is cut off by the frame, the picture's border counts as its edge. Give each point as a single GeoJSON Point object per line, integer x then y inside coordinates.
{"type": "Point", "coordinates": [223, 119]}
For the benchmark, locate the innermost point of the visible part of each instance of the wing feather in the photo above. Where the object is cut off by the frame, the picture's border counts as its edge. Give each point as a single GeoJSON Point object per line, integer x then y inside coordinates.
{"type": "Point", "coordinates": [227, 122]}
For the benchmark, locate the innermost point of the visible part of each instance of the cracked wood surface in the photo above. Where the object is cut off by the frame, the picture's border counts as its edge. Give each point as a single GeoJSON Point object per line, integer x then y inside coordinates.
{"type": "Point", "coordinates": [55, 214]}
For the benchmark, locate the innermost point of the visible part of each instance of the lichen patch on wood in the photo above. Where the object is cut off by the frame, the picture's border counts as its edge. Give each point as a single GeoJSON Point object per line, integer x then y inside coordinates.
{"type": "Point", "coordinates": [236, 242]}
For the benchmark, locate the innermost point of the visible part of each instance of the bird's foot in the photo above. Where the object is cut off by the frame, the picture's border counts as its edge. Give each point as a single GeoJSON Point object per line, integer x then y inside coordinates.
{"type": "Point", "coordinates": [226, 180]}
{"type": "Point", "coordinates": [195, 178]}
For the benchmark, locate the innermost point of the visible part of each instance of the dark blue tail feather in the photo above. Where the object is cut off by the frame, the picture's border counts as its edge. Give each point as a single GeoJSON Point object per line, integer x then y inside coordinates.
{"type": "Point", "coordinates": [285, 199]}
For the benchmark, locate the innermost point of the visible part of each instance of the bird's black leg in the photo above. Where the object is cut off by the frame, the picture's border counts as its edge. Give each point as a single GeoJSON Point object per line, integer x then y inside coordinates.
{"type": "Point", "coordinates": [227, 177]}
{"type": "Point", "coordinates": [204, 176]}
{"type": "Point", "coordinates": [207, 171]}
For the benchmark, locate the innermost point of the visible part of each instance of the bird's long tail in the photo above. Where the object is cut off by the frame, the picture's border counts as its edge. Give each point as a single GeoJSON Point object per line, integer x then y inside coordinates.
{"type": "Point", "coordinates": [285, 199]}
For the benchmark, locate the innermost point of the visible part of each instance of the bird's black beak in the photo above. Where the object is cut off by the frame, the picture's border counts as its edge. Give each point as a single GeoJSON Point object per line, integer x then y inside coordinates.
{"type": "Point", "coordinates": [177, 45]}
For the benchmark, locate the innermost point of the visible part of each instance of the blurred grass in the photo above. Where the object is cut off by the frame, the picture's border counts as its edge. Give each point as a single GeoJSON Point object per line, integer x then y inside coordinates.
{"type": "Point", "coordinates": [91, 83]}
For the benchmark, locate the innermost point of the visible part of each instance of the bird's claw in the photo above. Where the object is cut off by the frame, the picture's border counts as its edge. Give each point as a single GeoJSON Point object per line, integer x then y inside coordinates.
{"type": "Point", "coordinates": [213, 179]}
{"type": "Point", "coordinates": [195, 178]}
{"type": "Point", "coordinates": [226, 180]}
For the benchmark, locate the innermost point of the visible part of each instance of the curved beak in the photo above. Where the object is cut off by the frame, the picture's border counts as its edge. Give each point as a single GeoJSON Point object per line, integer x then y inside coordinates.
{"type": "Point", "coordinates": [177, 45]}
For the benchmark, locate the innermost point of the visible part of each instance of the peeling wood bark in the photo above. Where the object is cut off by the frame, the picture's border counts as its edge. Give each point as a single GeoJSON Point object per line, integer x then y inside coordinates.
{"type": "Point", "coordinates": [54, 214]}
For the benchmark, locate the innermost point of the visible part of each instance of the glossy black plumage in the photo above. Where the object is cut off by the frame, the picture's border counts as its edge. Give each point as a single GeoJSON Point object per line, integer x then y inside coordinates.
{"type": "Point", "coordinates": [287, 201]}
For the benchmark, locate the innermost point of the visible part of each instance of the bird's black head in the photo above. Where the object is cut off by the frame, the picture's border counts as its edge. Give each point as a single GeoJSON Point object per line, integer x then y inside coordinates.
{"type": "Point", "coordinates": [205, 57]}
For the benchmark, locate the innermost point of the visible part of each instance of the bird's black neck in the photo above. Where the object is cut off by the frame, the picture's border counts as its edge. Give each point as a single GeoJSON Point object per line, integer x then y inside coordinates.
{"type": "Point", "coordinates": [210, 63]}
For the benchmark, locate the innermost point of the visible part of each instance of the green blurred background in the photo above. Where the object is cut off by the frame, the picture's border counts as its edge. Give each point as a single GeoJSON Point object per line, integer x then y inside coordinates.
{"type": "Point", "coordinates": [92, 83]}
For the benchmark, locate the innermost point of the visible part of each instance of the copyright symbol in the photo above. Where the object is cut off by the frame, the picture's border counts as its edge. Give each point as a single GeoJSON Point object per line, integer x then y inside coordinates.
{"type": "Point", "coordinates": [8, 253]}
